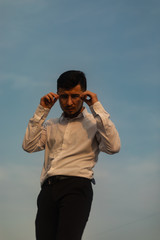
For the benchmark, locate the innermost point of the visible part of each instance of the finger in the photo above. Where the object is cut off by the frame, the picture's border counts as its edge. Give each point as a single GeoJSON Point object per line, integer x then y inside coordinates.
{"type": "Point", "coordinates": [47, 98]}
{"type": "Point", "coordinates": [56, 96]}
{"type": "Point", "coordinates": [86, 96]}
{"type": "Point", "coordinates": [53, 97]}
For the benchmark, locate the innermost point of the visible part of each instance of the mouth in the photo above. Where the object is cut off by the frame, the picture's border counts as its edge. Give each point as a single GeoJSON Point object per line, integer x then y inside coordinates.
{"type": "Point", "coordinates": [69, 109]}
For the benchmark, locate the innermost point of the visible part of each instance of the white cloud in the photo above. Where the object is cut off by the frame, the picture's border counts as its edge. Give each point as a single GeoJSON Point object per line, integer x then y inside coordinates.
{"type": "Point", "coordinates": [18, 82]}
{"type": "Point", "coordinates": [22, 175]}
{"type": "Point", "coordinates": [19, 2]}
{"type": "Point", "coordinates": [145, 167]}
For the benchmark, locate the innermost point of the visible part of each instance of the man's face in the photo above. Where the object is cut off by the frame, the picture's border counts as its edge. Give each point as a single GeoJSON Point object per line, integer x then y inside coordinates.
{"type": "Point", "coordinates": [70, 101]}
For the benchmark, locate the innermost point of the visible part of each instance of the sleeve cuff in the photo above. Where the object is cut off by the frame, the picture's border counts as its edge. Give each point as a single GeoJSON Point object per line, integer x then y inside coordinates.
{"type": "Point", "coordinates": [98, 109]}
{"type": "Point", "coordinates": [41, 112]}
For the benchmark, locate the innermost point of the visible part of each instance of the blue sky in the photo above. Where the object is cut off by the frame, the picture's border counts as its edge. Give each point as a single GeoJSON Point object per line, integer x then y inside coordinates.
{"type": "Point", "coordinates": [117, 44]}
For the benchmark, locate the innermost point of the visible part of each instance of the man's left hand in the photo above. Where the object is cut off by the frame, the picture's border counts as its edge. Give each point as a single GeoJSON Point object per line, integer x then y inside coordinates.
{"type": "Point", "coordinates": [89, 97]}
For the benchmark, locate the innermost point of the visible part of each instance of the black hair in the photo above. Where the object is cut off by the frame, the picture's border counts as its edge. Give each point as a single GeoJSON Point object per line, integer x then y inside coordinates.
{"type": "Point", "coordinates": [70, 79]}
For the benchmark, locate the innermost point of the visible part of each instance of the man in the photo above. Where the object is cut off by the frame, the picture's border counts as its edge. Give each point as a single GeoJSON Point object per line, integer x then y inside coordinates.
{"type": "Point", "coordinates": [72, 144]}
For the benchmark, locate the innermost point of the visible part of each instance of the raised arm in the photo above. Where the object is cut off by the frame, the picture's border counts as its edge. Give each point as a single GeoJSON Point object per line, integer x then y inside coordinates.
{"type": "Point", "coordinates": [35, 136]}
{"type": "Point", "coordinates": [107, 134]}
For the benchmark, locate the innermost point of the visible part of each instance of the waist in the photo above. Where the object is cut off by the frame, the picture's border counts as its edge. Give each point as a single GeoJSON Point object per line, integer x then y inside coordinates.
{"type": "Point", "coordinates": [54, 179]}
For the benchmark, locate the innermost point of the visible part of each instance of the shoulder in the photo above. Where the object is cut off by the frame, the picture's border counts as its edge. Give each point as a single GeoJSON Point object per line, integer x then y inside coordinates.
{"type": "Point", "coordinates": [88, 116]}
{"type": "Point", "coordinates": [52, 121]}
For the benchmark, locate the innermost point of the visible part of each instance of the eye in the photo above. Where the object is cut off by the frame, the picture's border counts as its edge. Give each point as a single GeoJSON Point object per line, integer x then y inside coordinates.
{"type": "Point", "coordinates": [75, 95]}
{"type": "Point", "coordinates": [64, 96]}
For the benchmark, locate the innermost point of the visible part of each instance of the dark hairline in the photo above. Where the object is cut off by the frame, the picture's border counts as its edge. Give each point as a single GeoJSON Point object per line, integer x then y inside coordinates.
{"type": "Point", "coordinates": [70, 79]}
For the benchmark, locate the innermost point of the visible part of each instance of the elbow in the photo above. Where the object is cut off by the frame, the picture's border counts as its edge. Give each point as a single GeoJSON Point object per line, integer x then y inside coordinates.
{"type": "Point", "coordinates": [31, 148]}
{"type": "Point", "coordinates": [112, 148]}
{"type": "Point", "coordinates": [27, 148]}
{"type": "Point", "coordinates": [116, 148]}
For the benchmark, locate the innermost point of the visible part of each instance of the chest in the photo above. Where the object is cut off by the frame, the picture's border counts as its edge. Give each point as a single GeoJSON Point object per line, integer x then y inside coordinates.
{"type": "Point", "coordinates": [71, 133]}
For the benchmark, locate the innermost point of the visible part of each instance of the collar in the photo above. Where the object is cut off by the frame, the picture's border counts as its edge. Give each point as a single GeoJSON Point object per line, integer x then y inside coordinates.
{"type": "Point", "coordinates": [80, 115]}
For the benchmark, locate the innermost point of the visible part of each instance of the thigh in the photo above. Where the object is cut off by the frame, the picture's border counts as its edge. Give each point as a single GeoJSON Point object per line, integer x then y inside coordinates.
{"type": "Point", "coordinates": [46, 219]}
{"type": "Point", "coordinates": [74, 210]}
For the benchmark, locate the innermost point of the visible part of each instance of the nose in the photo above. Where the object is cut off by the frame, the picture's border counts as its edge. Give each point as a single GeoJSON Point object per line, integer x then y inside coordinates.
{"type": "Point", "coordinates": [69, 101]}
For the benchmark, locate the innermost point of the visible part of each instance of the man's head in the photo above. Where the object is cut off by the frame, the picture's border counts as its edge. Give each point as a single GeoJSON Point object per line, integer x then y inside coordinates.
{"type": "Point", "coordinates": [70, 86]}
{"type": "Point", "coordinates": [70, 79]}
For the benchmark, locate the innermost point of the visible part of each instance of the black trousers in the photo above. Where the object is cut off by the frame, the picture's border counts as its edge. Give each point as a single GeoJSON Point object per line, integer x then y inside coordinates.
{"type": "Point", "coordinates": [63, 209]}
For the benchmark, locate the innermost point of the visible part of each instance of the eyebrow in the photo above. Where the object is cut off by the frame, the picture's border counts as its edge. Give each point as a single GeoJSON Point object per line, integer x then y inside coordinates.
{"type": "Point", "coordinates": [72, 95]}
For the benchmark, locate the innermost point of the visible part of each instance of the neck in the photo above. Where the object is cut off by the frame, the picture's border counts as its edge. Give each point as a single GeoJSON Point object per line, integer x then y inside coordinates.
{"type": "Point", "coordinates": [75, 114]}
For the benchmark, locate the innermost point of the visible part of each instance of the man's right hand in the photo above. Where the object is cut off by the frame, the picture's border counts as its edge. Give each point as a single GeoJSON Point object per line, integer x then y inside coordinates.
{"type": "Point", "coordinates": [49, 100]}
